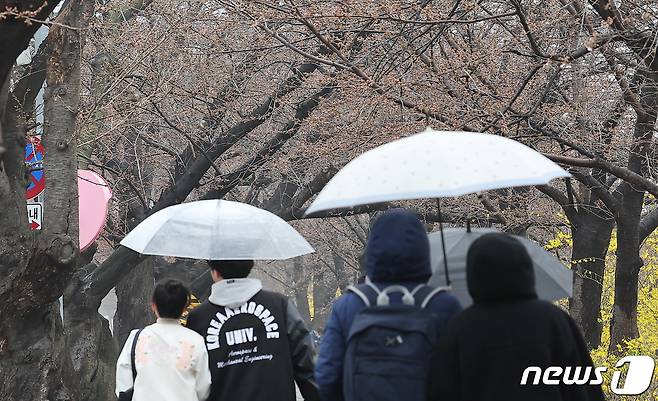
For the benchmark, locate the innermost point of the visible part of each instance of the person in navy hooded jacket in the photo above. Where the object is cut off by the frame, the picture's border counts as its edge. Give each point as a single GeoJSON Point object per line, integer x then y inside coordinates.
{"type": "Point", "coordinates": [397, 253]}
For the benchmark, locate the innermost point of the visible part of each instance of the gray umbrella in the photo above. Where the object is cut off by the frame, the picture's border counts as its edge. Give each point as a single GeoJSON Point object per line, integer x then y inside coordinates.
{"type": "Point", "coordinates": [553, 279]}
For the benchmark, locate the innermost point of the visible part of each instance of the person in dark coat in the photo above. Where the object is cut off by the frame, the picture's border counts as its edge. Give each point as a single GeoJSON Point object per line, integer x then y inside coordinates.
{"type": "Point", "coordinates": [397, 253]}
{"type": "Point", "coordinates": [487, 347]}
{"type": "Point", "coordinates": [258, 345]}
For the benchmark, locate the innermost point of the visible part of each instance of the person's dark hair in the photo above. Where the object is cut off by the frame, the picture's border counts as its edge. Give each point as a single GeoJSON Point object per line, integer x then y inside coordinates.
{"type": "Point", "coordinates": [229, 269]}
{"type": "Point", "coordinates": [171, 298]}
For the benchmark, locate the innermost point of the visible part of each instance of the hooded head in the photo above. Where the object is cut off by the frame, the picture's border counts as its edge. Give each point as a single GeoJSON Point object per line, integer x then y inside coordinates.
{"type": "Point", "coordinates": [498, 268]}
{"type": "Point", "coordinates": [398, 249]}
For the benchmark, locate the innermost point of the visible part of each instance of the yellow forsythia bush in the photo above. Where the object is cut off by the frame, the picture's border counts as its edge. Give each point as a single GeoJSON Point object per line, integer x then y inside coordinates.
{"type": "Point", "coordinates": [647, 342]}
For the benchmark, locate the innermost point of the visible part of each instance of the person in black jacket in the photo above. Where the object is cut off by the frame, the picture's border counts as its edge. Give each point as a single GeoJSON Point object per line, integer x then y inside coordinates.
{"type": "Point", "coordinates": [258, 345]}
{"type": "Point", "coordinates": [487, 347]}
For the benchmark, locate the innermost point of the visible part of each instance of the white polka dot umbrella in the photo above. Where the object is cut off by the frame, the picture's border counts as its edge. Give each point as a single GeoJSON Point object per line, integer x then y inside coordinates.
{"type": "Point", "coordinates": [435, 164]}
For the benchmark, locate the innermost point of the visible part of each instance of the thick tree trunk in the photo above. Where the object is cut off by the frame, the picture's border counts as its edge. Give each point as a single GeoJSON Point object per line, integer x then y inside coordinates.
{"type": "Point", "coordinates": [93, 349]}
{"type": "Point", "coordinates": [34, 358]}
{"type": "Point", "coordinates": [93, 353]}
{"type": "Point", "coordinates": [15, 239]}
{"type": "Point", "coordinates": [591, 238]}
{"type": "Point", "coordinates": [623, 325]}
{"type": "Point", "coordinates": [133, 300]}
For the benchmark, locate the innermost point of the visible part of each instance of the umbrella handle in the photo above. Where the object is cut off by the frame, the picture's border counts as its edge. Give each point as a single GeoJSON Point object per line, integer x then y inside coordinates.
{"type": "Point", "coordinates": [443, 242]}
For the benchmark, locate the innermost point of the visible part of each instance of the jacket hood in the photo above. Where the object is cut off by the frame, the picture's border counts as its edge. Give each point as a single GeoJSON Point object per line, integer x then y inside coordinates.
{"type": "Point", "coordinates": [398, 249]}
{"type": "Point", "coordinates": [234, 292]}
{"type": "Point", "coordinates": [498, 268]}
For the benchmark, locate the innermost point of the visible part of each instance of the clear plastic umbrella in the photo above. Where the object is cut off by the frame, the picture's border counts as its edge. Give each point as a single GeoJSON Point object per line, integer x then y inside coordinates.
{"type": "Point", "coordinates": [217, 230]}
{"type": "Point", "coordinates": [553, 280]}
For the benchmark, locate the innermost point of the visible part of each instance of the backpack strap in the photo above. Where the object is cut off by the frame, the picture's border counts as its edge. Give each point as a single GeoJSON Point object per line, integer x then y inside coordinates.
{"type": "Point", "coordinates": [420, 296]}
{"type": "Point", "coordinates": [368, 292]}
{"type": "Point", "coordinates": [360, 294]}
{"type": "Point", "coordinates": [132, 355]}
{"type": "Point", "coordinates": [382, 296]}
{"type": "Point", "coordinates": [431, 294]}
{"type": "Point", "coordinates": [417, 289]}
{"type": "Point", "coordinates": [384, 300]}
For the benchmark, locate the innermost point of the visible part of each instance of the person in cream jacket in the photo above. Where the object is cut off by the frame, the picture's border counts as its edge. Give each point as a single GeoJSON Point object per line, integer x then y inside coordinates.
{"type": "Point", "coordinates": [171, 360]}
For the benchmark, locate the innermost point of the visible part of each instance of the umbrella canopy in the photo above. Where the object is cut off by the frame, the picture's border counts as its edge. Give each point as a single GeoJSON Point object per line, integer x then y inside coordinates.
{"type": "Point", "coordinates": [217, 230]}
{"type": "Point", "coordinates": [435, 164]}
{"type": "Point", "coordinates": [552, 279]}
{"type": "Point", "coordinates": [95, 195]}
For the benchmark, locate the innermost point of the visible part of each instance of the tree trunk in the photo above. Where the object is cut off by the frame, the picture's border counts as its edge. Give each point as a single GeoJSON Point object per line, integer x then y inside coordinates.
{"type": "Point", "coordinates": [324, 292]}
{"type": "Point", "coordinates": [34, 359]}
{"type": "Point", "coordinates": [300, 286]}
{"type": "Point", "coordinates": [344, 275]}
{"type": "Point", "coordinates": [623, 325]}
{"type": "Point", "coordinates": [92, 348]}
{"type": "Point", "coordinates": [93, 351]}
{"type": "Point", "coordinates": [134, 300]}
{"type": "Point", "coordinates": [591, 238]}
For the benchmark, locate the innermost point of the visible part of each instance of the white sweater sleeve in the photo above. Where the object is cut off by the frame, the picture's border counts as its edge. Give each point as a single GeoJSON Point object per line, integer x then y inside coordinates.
{"type": "Point", "coordinates": [124, 366]}
{"type": "Point", "coordinates": [203, 379]}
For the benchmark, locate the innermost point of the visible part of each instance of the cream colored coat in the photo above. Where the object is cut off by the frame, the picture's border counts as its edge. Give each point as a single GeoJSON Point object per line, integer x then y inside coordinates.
{"type": "Point", "coordinates": [171, 362]}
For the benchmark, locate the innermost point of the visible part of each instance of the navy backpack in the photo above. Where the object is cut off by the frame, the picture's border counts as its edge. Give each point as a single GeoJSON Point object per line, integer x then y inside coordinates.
{"type": "Point", "coordinates": [389, 346]}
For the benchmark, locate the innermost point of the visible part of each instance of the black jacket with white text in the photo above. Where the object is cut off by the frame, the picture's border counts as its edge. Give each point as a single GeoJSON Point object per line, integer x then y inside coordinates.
{"type": "Point", "coordinates": [258, 345]}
